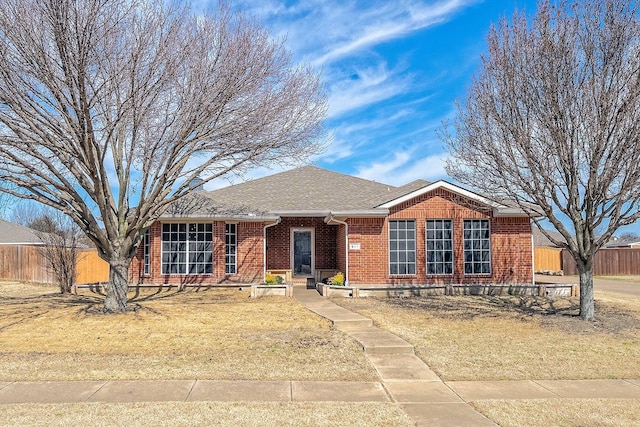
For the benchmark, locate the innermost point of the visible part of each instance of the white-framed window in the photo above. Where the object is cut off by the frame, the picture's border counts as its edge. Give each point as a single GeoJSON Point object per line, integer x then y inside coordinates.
{"type": "Point", "coordinates": [187, 248]}
{"type": "Point", "coordinates": [477, 246]}
{"type": "Point", "coordinates": [402, 246]}
{"type": "Point", "coordinates": [439, 246]}
{"type": "Point", "coordinates": [230, 245]}
{"type": "Point", "coordinates": [146, 249]}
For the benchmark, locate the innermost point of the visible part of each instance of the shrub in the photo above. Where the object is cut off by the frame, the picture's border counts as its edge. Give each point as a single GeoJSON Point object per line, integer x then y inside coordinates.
{"type": "Point", "coordinates": [271, 279]}
{"type": "Point", "coordinates": [337, 280]}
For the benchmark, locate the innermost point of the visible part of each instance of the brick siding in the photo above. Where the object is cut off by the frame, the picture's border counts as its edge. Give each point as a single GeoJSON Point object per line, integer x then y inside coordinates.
{"type": "Point", "coordinates": [279, 243]}
{"type": "Point", "coordinates": [511, 251]}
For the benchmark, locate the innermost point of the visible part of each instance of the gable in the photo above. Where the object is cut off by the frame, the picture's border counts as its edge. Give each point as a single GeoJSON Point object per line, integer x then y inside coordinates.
{"type": "Point", "coordinates": [463, 196]}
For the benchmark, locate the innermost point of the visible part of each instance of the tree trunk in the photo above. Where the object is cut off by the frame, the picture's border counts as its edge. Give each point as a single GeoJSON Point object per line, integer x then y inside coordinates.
{"type": "Point", "coordinates": [587, 307]}
{"type": "Point", "coordinates": [116, 300]}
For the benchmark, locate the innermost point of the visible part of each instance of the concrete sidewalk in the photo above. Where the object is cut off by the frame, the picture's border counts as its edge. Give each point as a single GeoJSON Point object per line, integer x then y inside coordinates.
{"type": "Point", "coordinates": [402, 392]}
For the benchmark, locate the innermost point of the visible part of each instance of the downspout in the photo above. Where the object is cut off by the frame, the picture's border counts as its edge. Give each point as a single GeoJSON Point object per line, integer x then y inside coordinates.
{"type": "Point", "coordinates": [346, 249]}
{"type": "Point", "coordinates": [264, 249]}
{"type": "Point", "coordinates": [533, 259]}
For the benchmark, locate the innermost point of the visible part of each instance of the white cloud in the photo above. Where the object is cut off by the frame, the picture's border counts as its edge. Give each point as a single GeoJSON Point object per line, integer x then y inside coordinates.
{"type": "Point", "coordinates": [386, 21]}
{"type": "Point", "coordinates": [369, 86]}
{"type": "Point", "coordinates": [404, 167]}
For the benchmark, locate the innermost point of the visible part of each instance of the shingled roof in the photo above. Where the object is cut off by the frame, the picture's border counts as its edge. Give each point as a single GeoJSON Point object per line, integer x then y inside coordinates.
{"type": "Point", "coordinates": [14, 234]}
{"type": "Point", "coordinates": [312, 191]}
{"type": "Point", "coordinates": [309, 188]}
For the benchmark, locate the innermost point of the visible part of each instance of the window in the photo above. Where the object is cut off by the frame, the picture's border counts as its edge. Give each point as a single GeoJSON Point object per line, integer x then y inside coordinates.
{"type": "Point", "coordinates": [477, 247]}
{"type": "Point", "coordinates": [230, 238]}
{"type": "Point", "coordinates": [146, 248]}
{"type": "Point", "coordinates": [439, 246]}
{"type": "Point", "coordinates": [187, 248]}
{"type": "Point", "coordinates": [402, 247]}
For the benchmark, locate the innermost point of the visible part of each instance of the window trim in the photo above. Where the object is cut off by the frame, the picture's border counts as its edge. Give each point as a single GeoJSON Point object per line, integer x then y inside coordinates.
{"type": "Point", "coordinates": [227, 245]}
{"type": "Point", "coordinates": [187, 262]}
{"type": "Point", "coordinates": [146, 252]}
{"type": "Point", "coordinates": [452, 250]}
{"type": "Point", "coordinates": [490, 262]}
{"type": "Point", "coordinates": [415, 248]}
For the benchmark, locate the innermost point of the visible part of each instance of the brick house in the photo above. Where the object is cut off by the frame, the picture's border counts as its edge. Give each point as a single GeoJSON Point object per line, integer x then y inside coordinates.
{"type": "Point", "coordinates": [311, 222]}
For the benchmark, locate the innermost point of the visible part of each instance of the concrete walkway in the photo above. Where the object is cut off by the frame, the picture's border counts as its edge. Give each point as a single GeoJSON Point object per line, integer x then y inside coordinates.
{"type": "Point", "coordinates": [404, 380]}
{"type": "Point", "coordinates": [407, 379]}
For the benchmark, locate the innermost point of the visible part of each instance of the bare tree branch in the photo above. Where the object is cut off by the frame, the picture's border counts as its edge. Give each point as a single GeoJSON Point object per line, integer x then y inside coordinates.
{"type": "Point", "coordinates": [105, 104]}
{"type": "Point", "coordinates": [552, 119]}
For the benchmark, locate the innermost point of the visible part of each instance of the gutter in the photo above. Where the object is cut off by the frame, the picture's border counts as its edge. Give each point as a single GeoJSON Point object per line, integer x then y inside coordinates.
{"type": "Point", "coordinates": [264, 248]}
{"type": "Point", "coordinates": [346, 248]}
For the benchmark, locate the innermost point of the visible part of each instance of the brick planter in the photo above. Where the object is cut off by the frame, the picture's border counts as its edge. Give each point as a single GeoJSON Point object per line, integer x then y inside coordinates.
{"type": "Point", "coordinates": [271, 290]}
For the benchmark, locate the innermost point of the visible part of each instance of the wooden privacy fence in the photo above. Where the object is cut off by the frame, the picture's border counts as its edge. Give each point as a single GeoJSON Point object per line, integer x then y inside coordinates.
{"type": "Point", "coordinates": [547, 259]}
{"type": "Point", "coordinates": [91, 268]}
{"type": "Point", "coordinates": [26, 264]}
{"type": "Point", "coordinates": [607, 262]}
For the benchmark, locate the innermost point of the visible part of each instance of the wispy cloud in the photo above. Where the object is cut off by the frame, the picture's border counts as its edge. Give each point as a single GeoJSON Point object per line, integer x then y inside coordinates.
{"type": "Point", "coordinates": [388, 21]}
{"type": "Point", "coordinates": [404, 167]}
{"type": "Point", "coordinates": [341, 37]}
{"type": "Point", "coordinates": [365, 87]}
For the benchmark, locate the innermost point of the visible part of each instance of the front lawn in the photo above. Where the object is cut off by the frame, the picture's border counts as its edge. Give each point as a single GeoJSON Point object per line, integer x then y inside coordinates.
{"type": "Point", "coordinates": [206, 334]}
{"type": "Point", "coordinates": [514, 338]}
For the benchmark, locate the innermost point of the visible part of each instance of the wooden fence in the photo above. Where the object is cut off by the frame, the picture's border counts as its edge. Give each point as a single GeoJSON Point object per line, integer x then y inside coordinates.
{"type": "Point", "coordinates": [547, 259]}
{"type": "Point", "coordinates": [26, 264]}
{"type": "Point", "coordinates": [91, 268]}
{"type": "Point", "coordinates": [607, 262]}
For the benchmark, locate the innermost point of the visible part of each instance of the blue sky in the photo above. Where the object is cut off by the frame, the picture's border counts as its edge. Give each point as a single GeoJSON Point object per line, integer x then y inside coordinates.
{"type": "Point", "coordinates": [393, 70]}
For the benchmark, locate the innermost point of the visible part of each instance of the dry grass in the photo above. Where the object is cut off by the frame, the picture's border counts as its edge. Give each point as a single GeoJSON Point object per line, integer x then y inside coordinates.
{"type": "Point", "coordinates": [210, 334]}
{"type": "Point", "coordinates": [513, 338]}
{"type": "Point", "coordinates": [242, 414]}
{"type": "Point", "coordinates": [562, 413]}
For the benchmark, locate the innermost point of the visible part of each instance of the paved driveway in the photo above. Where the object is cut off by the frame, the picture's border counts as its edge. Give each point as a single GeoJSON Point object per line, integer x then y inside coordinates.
{"type": "Point", "coordinates": [621, 284]}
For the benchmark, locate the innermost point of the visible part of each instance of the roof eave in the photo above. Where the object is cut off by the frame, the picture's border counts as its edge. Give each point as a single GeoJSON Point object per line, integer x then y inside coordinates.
{"type": "Point", "coordinates": [301, 213]}
{"type": "Point", "coordinates": [357, 213]}
{"type": "Point", "coordinates": [511, 212]}
{"type": "Point", "coordinates": [235, 218]}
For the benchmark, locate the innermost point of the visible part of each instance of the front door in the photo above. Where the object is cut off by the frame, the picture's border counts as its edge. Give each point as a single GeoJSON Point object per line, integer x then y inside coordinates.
{"type": "Point", "coordinates": [302, 253]}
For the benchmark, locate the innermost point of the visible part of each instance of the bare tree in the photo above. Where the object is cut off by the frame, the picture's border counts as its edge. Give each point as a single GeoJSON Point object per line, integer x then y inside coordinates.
{"type": "Point", "coordinates": [552, 120]}
{"type": "Point", "coordinates": [61, 238]}
{"type": "Point", "coordinates": [107, 105]}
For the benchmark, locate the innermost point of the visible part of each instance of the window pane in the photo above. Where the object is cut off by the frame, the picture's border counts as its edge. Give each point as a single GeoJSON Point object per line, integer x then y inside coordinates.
{"type": "Point", "coordinates": [230, 248]}
{"type": "Point", "coordinates": [402, 246]}
{"type": "Point", "coordinates": [477, 247]}
{"type": "Point", "coordinates": [439, 245]}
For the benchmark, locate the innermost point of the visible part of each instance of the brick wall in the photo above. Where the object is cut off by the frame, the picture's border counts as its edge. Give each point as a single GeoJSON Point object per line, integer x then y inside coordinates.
{"type": "Point", "coordinates": [510, 243]}
{"type": "Point", "coordinates": [510, 247]}
{"type": "Point", "coordinates": [249, 258]}
{"type": "Point", "coordinates": [279, 243]}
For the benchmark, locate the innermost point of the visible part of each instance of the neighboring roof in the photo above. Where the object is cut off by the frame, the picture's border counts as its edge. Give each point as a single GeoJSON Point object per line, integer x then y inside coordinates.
{"type": "Point", "coordinates": [14, 234]}
{"type": "Point", "coordinates": [312, 191]}
{"type": "Point", "coordinates": [540, 240]}
{"type": "Point", "coordinates": [618, 242]}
